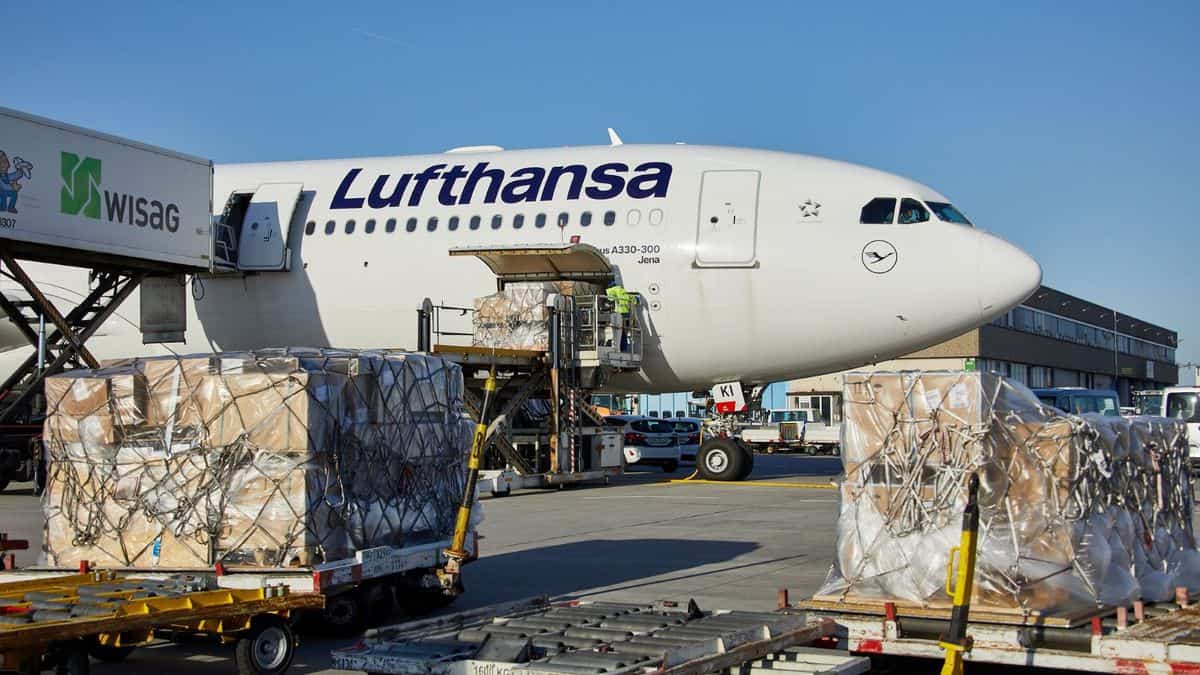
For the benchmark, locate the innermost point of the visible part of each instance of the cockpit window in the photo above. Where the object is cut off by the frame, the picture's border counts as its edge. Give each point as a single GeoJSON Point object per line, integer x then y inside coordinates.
{"type": "Point", "coordinates": [911, 211]}
{"type": "Point", "coordinates": [948, 213]}
{"type": "Point", "coordinates": [878, 211]}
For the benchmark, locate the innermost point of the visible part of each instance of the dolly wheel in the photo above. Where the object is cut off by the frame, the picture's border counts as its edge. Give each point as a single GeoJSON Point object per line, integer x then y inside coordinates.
{"type": "Point", "coordinates": [268, 649]}
{"type": "Point", "coordinates": [107, 653]}
{"type": "Point", "coordinates": [72, 659]}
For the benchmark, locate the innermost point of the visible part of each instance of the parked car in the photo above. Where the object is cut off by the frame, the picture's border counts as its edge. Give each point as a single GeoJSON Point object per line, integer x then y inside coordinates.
{"type": "Point", "coordinates": [648, 441]}
{"type": "Point", "coordinates": [1077, 400]}
{"type": "Point", "coordinates": [689, 432]}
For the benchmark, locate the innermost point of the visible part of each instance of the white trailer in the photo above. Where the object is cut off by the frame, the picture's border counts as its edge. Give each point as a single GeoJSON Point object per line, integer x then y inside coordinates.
{"type": "Point", "coordinates": [72, 189]}
{"type": "Point", "coordinates": [135, 215]}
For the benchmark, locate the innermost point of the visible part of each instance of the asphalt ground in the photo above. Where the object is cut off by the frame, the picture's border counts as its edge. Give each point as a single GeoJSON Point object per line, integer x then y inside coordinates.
{"type": "Point", "coordinates": [642, 538]}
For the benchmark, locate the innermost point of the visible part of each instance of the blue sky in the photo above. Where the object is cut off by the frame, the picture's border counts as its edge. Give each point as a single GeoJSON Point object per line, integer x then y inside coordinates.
{"type": "Point", "coordinates": [1068, 128]}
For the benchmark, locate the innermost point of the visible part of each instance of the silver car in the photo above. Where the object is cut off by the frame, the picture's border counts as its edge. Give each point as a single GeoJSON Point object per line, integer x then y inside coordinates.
{"type": "Point", "coordinates": [648, 441]}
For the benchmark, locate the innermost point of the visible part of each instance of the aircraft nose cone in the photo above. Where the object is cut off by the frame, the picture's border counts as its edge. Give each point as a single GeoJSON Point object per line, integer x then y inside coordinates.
{"type": "Point", "coordinates": [1007, 275]}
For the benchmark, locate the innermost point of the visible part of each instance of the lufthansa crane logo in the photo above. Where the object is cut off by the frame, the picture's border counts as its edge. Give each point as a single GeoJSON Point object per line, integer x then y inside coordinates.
{"type": "Point", "coordinates": [879, 256]}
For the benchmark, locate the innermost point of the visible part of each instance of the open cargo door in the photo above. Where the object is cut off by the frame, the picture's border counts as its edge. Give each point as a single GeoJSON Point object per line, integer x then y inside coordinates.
{"type": "Point", "coordinates": [262, 244]}
{"type": "Point", "coordinates": [543, 262]}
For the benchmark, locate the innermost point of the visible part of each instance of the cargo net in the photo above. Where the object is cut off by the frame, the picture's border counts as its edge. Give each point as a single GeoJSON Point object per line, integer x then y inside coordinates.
{"type": "Point", "coordinates": [272, 458]}
{"type": "Point", "coordinates": [518, 317]}
{"type": "Point", "coordinates": [1075, 511]}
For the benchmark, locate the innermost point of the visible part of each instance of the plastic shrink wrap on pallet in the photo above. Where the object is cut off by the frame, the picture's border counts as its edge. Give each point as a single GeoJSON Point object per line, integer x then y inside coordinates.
{"type": "Point", "coordinates": [518, 317]}
{"type": "Point", "coordinates": [270, 458]}
{"type": "Point", "coordinates": [1074, 511]}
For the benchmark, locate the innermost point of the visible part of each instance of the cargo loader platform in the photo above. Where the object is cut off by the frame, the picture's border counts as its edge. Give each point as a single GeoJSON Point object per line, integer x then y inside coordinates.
{"type": "Point", "coordinates": [550, 434]}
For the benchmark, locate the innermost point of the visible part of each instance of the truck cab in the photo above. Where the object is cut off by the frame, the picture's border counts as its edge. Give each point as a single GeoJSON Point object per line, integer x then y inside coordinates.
{"type": "Point", "coordinates": [1183, 404]}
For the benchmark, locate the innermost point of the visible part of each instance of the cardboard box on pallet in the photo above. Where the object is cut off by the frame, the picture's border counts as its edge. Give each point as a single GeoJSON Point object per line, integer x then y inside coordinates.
{"type": "Point", "coordinates": [1075, 511]}
{"type": "Point", "coordinates": [267, 459]}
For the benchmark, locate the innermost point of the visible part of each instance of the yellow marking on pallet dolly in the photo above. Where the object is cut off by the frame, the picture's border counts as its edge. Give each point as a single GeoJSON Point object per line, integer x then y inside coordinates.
{"type": "Point", "coordinates": [219, 611]}
{"type": "Point", "coordinates": [755, 483]}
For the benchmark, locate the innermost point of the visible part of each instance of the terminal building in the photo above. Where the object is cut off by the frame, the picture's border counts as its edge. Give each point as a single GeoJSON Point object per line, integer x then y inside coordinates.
{"type": "Point", "coordinates": [1053, 339]}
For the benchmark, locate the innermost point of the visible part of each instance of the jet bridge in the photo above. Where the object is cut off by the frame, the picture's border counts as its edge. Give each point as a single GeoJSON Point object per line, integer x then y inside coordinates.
{"type": "Point", "coordinates": [133, 215]}
{"type": "Point", "coordinates": [551, 434]}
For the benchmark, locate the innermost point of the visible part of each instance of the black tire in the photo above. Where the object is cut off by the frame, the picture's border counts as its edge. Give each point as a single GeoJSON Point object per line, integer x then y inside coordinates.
{"type": "Point", "coordinates": [109, 654]}
{"type": "Point", "coordinates": [268, 649]}
{"type": "Point", "coordinates": [4, 481]}
{"type": "Point", "coordinates": [747, 465]}
{"type": "Point", "coordinates": [722, 459]}
{"type": "Point", "coordinates": [72, 659]}
{"type": "Point", "coordinates": [343, 615]}
{"type": "Point", "coordinates": [378, 602]}
{"type": "Point", "coordinates": [670, 466]}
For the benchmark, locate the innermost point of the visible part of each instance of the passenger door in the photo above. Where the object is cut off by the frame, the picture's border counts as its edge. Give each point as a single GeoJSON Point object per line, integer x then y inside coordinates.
{"type": "Point", "coordinates": [262, 244]}
{"type": "Point", "coordinates": [726, 234]}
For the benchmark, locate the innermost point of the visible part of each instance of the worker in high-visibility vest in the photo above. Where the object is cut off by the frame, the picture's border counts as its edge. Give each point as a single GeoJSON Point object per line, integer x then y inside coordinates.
{"type": "Point", "coordinates": [624, 302]}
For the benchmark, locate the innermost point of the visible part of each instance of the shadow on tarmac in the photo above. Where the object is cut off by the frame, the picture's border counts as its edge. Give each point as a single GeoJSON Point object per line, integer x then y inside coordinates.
{"type": "Point", "coordinates": [568, 568]}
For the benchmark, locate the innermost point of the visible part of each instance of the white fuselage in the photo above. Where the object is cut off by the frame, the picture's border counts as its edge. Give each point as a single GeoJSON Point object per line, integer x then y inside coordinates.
{"type": "Point", "coordinates": [727, 300]}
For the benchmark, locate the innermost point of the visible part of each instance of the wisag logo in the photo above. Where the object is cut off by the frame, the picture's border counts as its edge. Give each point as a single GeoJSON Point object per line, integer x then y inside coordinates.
{"type": "Point", "coordinates": [80, 192]}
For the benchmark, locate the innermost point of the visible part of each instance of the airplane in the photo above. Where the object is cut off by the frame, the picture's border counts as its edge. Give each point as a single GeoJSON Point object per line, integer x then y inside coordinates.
{"type": "Point", "coordinates": [755, 266]}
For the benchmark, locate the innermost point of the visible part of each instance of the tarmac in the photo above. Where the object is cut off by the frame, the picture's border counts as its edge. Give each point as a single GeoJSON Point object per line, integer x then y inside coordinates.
{"type": "Point", "coordinates": [648, 536]}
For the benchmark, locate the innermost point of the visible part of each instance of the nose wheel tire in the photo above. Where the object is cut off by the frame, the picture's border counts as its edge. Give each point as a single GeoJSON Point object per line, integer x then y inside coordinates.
{"type": "Point", "coordinates": [723, 459]}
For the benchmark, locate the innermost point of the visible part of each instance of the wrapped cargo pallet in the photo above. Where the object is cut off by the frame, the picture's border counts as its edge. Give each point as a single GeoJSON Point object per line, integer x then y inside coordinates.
{"type": "Point", "coordinates": [270, 458]}
{"type": "Point", "coordinates": [1075, 512]}
{"type": "Point", "coordinates": [518, 317]}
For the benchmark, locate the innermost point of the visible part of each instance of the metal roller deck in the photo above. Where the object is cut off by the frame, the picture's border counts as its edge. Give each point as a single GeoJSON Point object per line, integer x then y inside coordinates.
{"type": "Point", "coordinates": [590, 638]}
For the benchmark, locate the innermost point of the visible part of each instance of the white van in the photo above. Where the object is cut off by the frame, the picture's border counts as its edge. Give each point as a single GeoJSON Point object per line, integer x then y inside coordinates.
{"type": "Point", "coordinates": [1183, 403]}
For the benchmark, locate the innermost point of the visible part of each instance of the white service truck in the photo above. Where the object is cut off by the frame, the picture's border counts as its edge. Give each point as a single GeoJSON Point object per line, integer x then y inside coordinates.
{"type": "Point", "coordinates": [781, 430]}
{"type": "Point", "coordinates": [1183, 404]}
{"type": "Point", "coordinates": [74, 196]}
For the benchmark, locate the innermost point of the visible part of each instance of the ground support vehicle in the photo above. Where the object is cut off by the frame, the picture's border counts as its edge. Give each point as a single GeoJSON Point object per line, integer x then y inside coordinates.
{"type": "Point", "coordinates": [60, 621]}
{"type": "Point", "coordinates": [548, 433]}
{"type": "Point", "coordinates": [1151, 638]}
{"type": "Point", "coordinates": [135, 215]}
{"type": "Point", "coordinates": [782, 430]}
{"type": "Point", "coordinates": [356, 590]}
{"type": "Point", "coordinates": [581, 637]}
{"type": "Point", "coordinates": [1183, 404]}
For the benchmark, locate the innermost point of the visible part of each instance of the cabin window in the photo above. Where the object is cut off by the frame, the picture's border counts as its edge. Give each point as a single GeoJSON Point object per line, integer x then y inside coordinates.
{"type": "Point", "coordinates": [431, 225]}
{"type": "Point", "coordinates": [330, 227]}
{"type": "Point", "coordinates": [563, 219]}
{"type": "Point", "coordinates": [370, 226]}
{"type": "Point", "coordinates": [585, 218]}
{"type": "Point", "coordinates": [391, 225]}
{"type": "Point", "coordinates": [540, 220]}
{"type": "Point", "coordinates": [879, 211]}
{"type": "Point", "coordinates": [411, 225]}
{"type": "Point", "coordinates": [310, 227]}
{"type": "Point", "coordinates": [452, 224]}
{"type": "Point", "coordinates": [656, 216]}
{"type": "Point", "coordinates": [912, 211]}
{"type": "Point", "coordinates": [349, 227]}
{"type": "Point", "coordinates": [475, 220]}
{"type": "Point", "coordinates": [497, 222]}
{"type": "Point", "coordinates": [518, 221]}
{"type": "Point", "coordinates": [635, 217]}
{"type": "Point", "coordinates": [610, 218]}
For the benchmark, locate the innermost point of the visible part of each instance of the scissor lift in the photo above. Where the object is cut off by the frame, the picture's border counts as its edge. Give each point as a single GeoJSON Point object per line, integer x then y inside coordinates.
{"type": "Point", "coordinates": [570, 443]}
